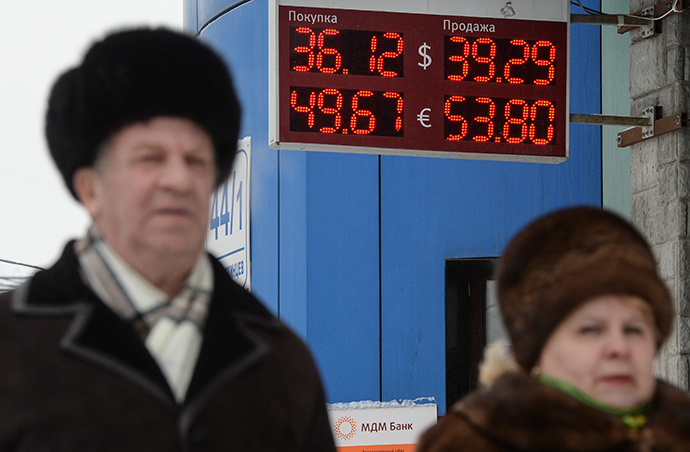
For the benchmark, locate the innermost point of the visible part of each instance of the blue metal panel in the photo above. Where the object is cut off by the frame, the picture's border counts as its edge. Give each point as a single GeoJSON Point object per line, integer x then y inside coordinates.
{"type": "Point", "coordinates": [373, 309]}
{"type": "Point", "coordinates": [242, 39]}
{"type": "Point", "coordinates": [432, 210]}
{"type": "Point", "coordinates": [329, 275]}
{"type": "Point", "coordinates": [315, 233]}
{"type": "Point", "coordinates": [293, 239]}
{"type": "Point", "coordinates": [189, 16]}
{"type": "Point", "coordinates": [342, 273]}
{"type": "Point", "coordinates": [209, 10]}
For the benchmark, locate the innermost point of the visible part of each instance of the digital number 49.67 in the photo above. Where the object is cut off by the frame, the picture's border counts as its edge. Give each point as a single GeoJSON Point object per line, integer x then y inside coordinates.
{"type": "Point", "coordinates": [223, 213]}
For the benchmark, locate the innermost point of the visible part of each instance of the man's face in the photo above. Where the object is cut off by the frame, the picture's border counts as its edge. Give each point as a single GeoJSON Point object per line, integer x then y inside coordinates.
{"type": "Point", "coordinates": [150, 191]}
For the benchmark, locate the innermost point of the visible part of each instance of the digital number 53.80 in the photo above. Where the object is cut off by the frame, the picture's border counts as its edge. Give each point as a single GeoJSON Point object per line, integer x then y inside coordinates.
{"type": "Point", "coordinates": [499, 120]}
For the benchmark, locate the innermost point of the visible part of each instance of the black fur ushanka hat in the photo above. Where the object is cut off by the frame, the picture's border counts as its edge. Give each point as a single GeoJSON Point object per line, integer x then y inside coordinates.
{"type": "Point", "coordinates": [135, 75]}
{"type": "Point", "coordinates": [560, 261]}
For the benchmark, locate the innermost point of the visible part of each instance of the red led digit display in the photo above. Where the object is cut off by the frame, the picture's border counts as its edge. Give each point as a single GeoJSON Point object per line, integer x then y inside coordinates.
{"type": "Point", "coordinates": [515, 61]}
{"type": "Point", "coordinates": [343, 111]}
{"type": "Point", "coordinates": [347, 52]}
{"type": "Point", "coordinates": [499, 120]}
{"type": "Point", "coordinates": [420, 84]}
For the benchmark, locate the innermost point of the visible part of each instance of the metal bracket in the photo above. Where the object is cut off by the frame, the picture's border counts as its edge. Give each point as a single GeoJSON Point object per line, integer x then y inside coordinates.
{"type": "Point", "coordinates": [609, 19]}
{"type": "Point", "coordinates": [650, 113]}
{"type": "Point", "coordinates": [609, 120]}
{"type": "Point", "coordinates": [654, 28]}
{"type": "Point", "coordinates": [649, 125]}
{"type": "Point", "coordinates": [640, 19]}
{"type": "Point", "coordinates": [660, 127]}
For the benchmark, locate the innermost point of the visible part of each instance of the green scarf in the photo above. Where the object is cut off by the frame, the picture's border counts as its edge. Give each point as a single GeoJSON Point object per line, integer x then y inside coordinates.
{"type": "Point", "coordinates": [634, 418]}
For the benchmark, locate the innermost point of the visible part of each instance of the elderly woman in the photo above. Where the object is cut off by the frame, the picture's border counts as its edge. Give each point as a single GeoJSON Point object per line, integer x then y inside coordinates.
{"type": "Point", "coordinates": [586, 312]}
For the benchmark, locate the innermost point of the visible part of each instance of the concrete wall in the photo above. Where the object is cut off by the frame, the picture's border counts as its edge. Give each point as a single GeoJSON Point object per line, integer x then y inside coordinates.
{"type": "Point", "coordinates": [660, 171]}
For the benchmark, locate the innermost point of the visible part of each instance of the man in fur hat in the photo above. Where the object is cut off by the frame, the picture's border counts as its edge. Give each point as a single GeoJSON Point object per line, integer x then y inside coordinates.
{"type": "Point", "coordinates": [136, 339]}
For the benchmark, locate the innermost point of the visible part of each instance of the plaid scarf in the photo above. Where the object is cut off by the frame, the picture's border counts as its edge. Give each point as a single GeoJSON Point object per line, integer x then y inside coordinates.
{"type": "Point", "coordinates": [171, 329]}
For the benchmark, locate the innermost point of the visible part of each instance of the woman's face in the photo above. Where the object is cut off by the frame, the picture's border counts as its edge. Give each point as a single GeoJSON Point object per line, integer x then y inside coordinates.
{"type": "Point", "coordinates": [605, 349]}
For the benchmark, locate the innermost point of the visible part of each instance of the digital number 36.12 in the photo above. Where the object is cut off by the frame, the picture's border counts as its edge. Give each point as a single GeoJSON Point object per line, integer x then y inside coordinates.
{"type": "Point", "coordinates": [347, 52]}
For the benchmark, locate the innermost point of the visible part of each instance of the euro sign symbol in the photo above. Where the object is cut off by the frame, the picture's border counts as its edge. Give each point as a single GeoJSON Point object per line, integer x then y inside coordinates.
{"type": "Point", "coordinates": [423, 117]}
{"type": "Point", "coordinates": [427, 59]}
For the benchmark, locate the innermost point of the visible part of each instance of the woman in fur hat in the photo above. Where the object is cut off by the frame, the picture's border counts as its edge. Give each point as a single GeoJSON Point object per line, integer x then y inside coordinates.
{"type": "Point", "coordinates": [586, 312]}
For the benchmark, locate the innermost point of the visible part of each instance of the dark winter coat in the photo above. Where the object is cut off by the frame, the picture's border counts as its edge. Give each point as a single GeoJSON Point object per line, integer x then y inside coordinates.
{"type": "Point", "coordinates": [75, 377]}
{"type": "Point", "coordinates": [519, 414]}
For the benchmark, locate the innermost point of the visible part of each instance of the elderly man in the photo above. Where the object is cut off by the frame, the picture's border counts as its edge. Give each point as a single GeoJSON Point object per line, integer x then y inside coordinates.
{"type": "Point", "coordinates": [136, 339]}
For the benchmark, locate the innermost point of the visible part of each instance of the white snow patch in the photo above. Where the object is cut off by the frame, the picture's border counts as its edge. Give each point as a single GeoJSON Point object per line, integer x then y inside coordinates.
{"type": "Point", "coordinates": [369, 404]}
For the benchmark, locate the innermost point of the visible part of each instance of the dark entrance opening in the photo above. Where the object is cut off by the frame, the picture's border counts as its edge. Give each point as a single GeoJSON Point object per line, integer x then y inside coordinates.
{"type": "Point", "coordinates": [471, 322]}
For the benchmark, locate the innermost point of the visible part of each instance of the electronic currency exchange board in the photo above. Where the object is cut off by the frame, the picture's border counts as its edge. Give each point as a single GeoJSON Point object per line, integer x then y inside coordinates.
{"type": "Point", "coordinates": [461, 79]}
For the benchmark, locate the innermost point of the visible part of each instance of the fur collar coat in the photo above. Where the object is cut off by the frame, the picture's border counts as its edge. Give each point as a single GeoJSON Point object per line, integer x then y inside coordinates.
{"type": "Point", "coordinates": [518, 413]}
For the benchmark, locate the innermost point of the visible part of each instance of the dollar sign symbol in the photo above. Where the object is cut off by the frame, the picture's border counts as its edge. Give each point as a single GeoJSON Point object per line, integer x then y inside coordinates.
{"type": "Point", "coordinates": [427, 59]}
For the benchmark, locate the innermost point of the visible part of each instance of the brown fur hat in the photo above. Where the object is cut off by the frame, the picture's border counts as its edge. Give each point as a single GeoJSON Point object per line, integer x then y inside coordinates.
{"type": "Point", "coordinates": [565, 258]}
{"type": "Point", "coordinates": [132, 76]}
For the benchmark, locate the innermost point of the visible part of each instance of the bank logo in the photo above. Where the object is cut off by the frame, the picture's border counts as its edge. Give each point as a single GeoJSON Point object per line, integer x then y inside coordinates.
{"type": "Point", "coordinates": [345, 428]}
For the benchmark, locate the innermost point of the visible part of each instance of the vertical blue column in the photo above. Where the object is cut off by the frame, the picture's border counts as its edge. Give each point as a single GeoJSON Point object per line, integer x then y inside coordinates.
{"type": "Point", "coordinates": [241, 37]}
{"type": "Point", "coordinates": [315, 219]}
{"type": "Point", "coordinates": [330, 228]}
{"type": "Point", "coordinates": [350, 249]}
